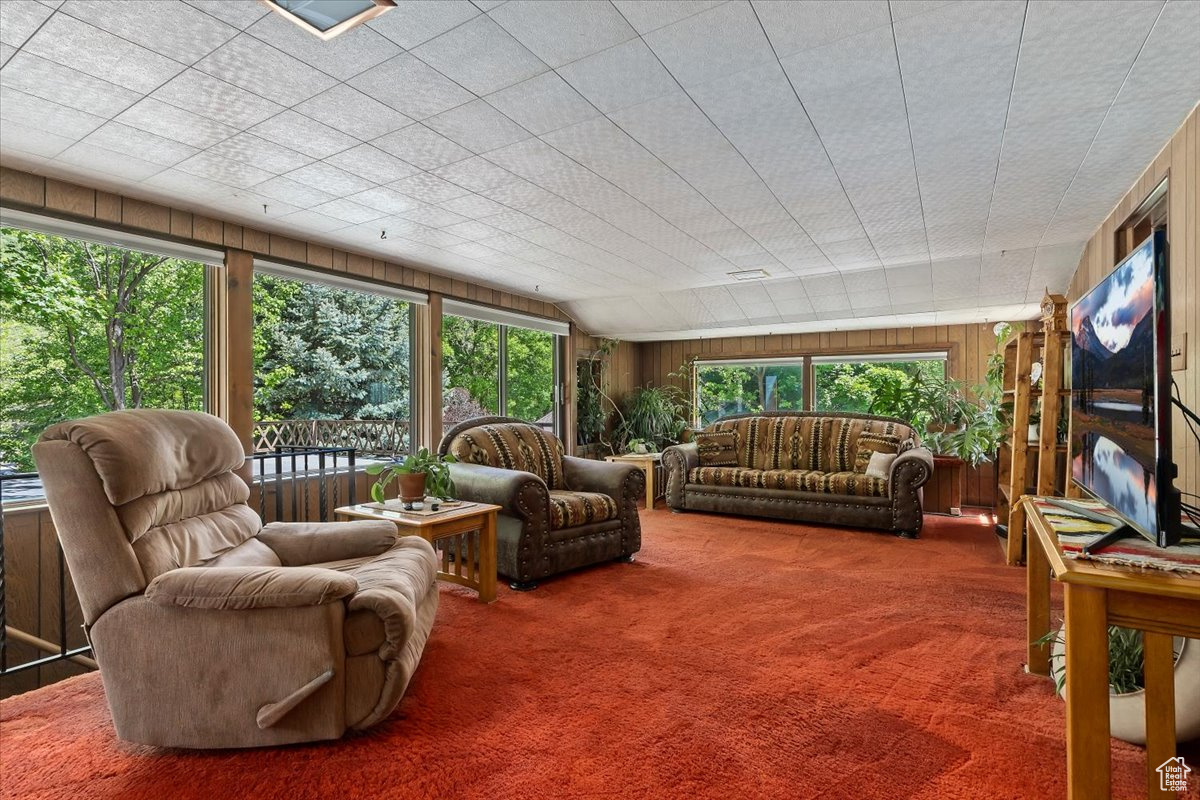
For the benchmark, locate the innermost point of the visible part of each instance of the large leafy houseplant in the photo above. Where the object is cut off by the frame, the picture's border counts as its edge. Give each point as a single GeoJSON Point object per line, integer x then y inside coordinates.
{"type": "Point", "coordinates": [654, 415]}
{"type": "Point", "coordinates": [433, 466]}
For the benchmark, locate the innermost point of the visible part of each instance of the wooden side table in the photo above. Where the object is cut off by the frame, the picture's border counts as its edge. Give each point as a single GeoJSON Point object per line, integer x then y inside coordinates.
{"type": "Point", "coordinates": [1160, 604]}
{"type": "Point", "coordinates": [647, 463]}
{"type": "Point", "coordinates": [464, 538]}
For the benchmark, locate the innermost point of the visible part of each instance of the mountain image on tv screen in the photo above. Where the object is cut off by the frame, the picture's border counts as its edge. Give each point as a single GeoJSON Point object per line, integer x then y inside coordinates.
{"type": "Point", "coordinates": [1113, 424]}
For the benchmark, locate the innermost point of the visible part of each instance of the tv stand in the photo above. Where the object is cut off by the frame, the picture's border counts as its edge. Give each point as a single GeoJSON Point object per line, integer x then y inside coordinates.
{"type": "Point", "coordinates": [1120, 531]}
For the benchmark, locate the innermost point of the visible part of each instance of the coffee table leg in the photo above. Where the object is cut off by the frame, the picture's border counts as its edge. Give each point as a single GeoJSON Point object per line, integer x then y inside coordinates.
{"type": "Point", "coordinates": [487, 559]}
{"type": "Point", "coordinates": [1037, 600]}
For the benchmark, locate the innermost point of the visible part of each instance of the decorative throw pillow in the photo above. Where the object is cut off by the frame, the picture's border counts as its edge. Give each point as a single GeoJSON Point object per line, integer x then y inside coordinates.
{"type": "Point", "coordinates": [880, 465]}
{"type": "Point", "coordinates": [717, 448]}
{"type": "Point", "coordinates": [871, 443]}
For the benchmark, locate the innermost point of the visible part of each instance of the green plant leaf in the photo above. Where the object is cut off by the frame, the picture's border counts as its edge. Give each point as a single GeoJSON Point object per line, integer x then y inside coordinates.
{"type": "Point", "coordinates": [377, 493]}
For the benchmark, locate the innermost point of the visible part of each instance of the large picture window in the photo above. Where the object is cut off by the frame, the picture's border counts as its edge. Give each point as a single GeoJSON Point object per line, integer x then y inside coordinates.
{"type": "Point", "coordinates": [736, 387]}
{"type": "Point", "coordinates": [332, 366]}
{"type": "Point", "coordinates": [850, 383]}
{"type": "Point", "coordinates": [497, 367]}
{"type": "Point", "coordinates": [87, 328]}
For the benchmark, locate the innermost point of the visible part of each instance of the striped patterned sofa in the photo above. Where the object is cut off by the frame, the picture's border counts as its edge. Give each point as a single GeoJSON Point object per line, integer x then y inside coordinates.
{"type": "Point", "coordinates": [804, 466]}
{"type": "Point", "coordinates": [558, 513]}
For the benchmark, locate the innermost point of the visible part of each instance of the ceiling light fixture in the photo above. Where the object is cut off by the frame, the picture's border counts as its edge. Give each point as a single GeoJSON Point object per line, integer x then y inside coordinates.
{"type": "Point", "coordinates": [328, 18]}
{"type": "Point", "coordinates": [749, 275]}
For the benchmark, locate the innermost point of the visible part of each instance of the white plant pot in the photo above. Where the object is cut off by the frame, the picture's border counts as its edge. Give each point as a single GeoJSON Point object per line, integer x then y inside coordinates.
{"type": "Point", "coordinates": [1034, 432]}
{"type": "Point", "coordinates": [1127, 712]}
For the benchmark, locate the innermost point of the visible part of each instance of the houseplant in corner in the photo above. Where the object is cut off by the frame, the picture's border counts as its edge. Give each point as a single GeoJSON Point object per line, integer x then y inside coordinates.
{"type": "Point", "coordinates": [651, 416]}
{"type": "Point", "coordinates": [421, 473]}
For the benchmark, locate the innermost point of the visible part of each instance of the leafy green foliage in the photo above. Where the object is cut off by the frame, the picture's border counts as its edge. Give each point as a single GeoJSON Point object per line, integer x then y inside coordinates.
{"type": "Point", "coordinates": [746, 388]}
{"type": "Point", "coordinates": [590, 419]}
{"type": "Point", "coordinates": [530, 386]}
{"type": "Point", "coordinates": [329, 353]}
{"type": "Point", "coordinates": [87, 328]}
{"type": "Point", "coordinates": [653, 415]}
{"type": "Point", "coordinates": [1126, 660]}
{"type": "Point", "coordinates": [471, 361]}
{"type": "Point", "coordinates": [438, 482]}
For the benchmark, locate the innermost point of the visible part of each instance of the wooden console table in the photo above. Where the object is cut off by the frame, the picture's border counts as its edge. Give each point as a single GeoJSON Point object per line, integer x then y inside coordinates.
{"type": "Point", "coordinates": [1160, 604]}
{"type": "Point", "coordinates": [464, 538]}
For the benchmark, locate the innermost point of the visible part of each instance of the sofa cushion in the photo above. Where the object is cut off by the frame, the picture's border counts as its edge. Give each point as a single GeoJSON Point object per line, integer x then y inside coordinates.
{"type": "Point", "coordinates": [717, 448]}
{"type": "Point", "coordinates": [512, 445]}
{"type": "Point", "coordinates": [843, 483]}
{"type": "Point", "coordinates": [871, 443]}
{"type": "Point", "coordinates": [570, 509]}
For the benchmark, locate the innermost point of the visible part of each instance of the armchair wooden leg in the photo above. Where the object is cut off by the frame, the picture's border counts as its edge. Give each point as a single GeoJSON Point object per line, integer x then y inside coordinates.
{"type": "Point", "coordinates": [628, 558]}
{"type": "Point", "coordinates": [522, 586]}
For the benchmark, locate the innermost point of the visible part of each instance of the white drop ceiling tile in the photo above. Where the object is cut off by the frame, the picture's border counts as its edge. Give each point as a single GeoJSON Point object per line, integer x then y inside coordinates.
{"type": "Point", "coordinates": [224, 170]}
{"type": "Point", "coordinates": [561, 31]}
{"type": "Point", "coordinates": [513, 221]}
{"type": "Point", "coordinates": [542, 104]}
{"type": "Point", "coordinates": [175, 30]}
{"type": "Point", "coordinates": [100, 160]}
{"type": "Point", "coordinates": [428, 188]}
{"type": "Point", "coordinates": [7, 51]}
{"type": "Point", "coordinates": [477, 126]}
{"type": "Point", "coordinates": [480, 56]}
{"type": "Point", "coordinates": [433, 217]}
{"type": "Point", "coordinates": [1054, 17]}
{"type": "Point", "coordinates": [473, 206]}
{"type": "Point", "coordinates": [471, 230]}
{"type": "Point", "coordinates": [475, 174]}
{"type": "Point", "coordinates": [413, 22]}
{"type": "Point", "coordinates": [713, 43]}
{"type": "Point", "coordinates": [411, 87]}
{"type": "Point", "coordinates": [619, 77]}
{"type": "Point", "coordinates": [311, 222]}
{"type": "Point", "coordinates": [432, 236]}
{"type": "Point", "coordinates": [237, 13]}
{"type": "Point", "coordinates": [832, 306]}
{"type": "Point", "coordinates": [952, 32]}
{"type": "Point", "coordinates": [1167, 65]}
{"type": "Point", "coordinates": [303, 134]}
{"type": "Point", "coordinates": [86, 48]}
{"type": "Point", "coordinates": [793, 27]}
{"type": "Point", "coordinates": [385, 199]}
{"type": "Point", "coordinates": [16, 137]}
{"type": "Point", "coordinates": [649, 15]}
{"type": "Point", "coordinates": [174, 123]}
{"type": "Point", "coordinates": [905, 9]}
{"type": "Point", "coordinates": [171, 184]}
{"type": "Point", "coordinates": [133, 142]}
{"type": "Point", "coordinates": [65, 86]}
{"type": "Point", "coordinates": [865, 58]}
{"type": "Point", "coordinates": [343, 57]}
{"type": "Point", "coordinates": [19, 19]}
{"type": "Point", "coordinates": [250, 149]}
{"type": "Point", "coordinates": [422, 147]}
{"type": "Point", "coordinates": [286, 190]}
{"type": "Point", "coordinates": [249, 207]}
{"type": "Point", "coordinates": [259, 68]}
{"type": "Point", "coordinates": [215, 99]}
{"type": "Point", "coordinates": [352, 112]}
{"type": "Point", "coordinates": [35, 112]}
{"type": "Point", "coordinates": [328, 178]}
{"type": "Point", "coordinates": [368, 161]}
{"type": "Point", "coordinates": [348, 211]}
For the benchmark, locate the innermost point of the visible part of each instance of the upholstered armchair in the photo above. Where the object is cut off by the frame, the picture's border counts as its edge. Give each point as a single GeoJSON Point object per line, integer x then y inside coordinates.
{"type": "Point", "coordinates": [210, 629]}
{"type": "Point", "coordinates": [558, 512]}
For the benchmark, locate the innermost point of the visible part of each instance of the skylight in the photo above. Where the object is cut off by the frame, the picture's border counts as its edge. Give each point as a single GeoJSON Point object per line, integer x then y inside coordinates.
{"type": "Point", "coordinates": [328, 18]}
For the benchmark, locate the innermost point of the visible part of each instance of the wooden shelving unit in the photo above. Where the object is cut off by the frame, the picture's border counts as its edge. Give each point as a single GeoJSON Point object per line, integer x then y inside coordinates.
{"type": "Point", "coordinates": [1033, 466]}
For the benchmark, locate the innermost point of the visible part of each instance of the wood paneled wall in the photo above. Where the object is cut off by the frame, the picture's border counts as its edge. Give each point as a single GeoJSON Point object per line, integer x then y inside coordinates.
{"type": "Point", "coordinates": [1179, 161]}
{"type": "Point", "coordinates": [26, 191]}
{"type": "Point", "coordinates": [622, 369]}
{"type": "Point", "coordinates": [968, 347]}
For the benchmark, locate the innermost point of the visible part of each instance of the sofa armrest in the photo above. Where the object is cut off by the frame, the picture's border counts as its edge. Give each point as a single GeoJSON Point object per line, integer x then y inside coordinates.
{"type": "Point", "coordinates": [678, 461]}
{"type": "Point", "coordinates": [244, 588]}
{"type": "Point", "coordinates": [604, 477]}
{"type": "Point", "coordinates": [299, 544]}
{"type": "Point", "coordinates": [909, 472]}
{"type": "Point", "coordinates": [519, 494]}
{"type": "Point", "coordinates": [912, 468]}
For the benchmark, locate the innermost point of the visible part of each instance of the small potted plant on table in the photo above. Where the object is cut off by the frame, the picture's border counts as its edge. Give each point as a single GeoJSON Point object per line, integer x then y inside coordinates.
{"type": "Point", "coordinates": [420, 474]}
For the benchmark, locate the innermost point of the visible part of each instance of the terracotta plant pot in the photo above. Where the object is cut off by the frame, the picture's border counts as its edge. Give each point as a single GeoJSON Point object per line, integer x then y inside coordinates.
{"type": "Point", "coordinates": [1127, 712]}
{"type": "Point", "coordinates": [412, 487]}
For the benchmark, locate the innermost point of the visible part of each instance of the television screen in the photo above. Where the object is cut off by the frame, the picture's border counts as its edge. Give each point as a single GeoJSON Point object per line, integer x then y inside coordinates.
{"type": "Point", "coordinates": [1118, 403]}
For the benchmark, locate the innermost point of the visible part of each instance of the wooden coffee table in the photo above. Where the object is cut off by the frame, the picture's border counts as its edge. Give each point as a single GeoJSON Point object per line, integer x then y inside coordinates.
{"type": "Point", "coordinates": [463, 536]}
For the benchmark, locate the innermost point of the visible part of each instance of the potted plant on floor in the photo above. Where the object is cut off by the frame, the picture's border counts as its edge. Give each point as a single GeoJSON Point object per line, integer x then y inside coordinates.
{"type": "Point", "coordinates": [421, 473]}
{"type": "Point", "coordinates": [1126, 684]}
{"type": "Point", "coordinates": [651, 417]}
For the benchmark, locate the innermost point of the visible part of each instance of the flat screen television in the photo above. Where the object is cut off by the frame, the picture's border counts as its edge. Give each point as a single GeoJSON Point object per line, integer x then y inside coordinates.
{"type": "Point", "coordinates": [1121, 394]}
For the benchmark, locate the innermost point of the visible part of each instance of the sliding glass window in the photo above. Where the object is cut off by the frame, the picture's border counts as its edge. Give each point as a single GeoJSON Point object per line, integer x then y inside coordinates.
{"type": "Point", "coordinates": [88, 327]}
{"type": "Point", "coordinates": [494, 367]}
{"type": "Point", "coordinates": [750, 385]}
{"type": "Point", "coordinates": [851, 383]}
{"type": "Point", "coordinates": [332, 365]}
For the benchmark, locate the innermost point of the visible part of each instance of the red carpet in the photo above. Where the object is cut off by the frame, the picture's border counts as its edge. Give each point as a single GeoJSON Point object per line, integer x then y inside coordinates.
{"type": "Point", "coordinates": [736, 659]}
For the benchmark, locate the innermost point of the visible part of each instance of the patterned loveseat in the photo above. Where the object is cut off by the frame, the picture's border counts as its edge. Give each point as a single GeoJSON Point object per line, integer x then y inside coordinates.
{"type": "Point", "coordinates": [557, 512]}
{"type": "Point", "coordinates": [806, 466]}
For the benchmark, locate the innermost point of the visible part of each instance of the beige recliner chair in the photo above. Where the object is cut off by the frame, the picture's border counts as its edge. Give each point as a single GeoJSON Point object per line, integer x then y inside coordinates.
{"type": "Point", "coordinates": [210, 629]}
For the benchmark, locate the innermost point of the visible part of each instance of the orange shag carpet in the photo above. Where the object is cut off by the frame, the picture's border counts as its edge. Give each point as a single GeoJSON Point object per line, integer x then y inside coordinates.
{"type": "Point", "coordinates": [736, 659]}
